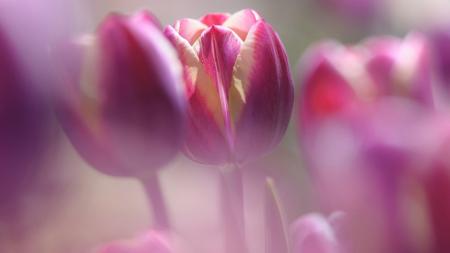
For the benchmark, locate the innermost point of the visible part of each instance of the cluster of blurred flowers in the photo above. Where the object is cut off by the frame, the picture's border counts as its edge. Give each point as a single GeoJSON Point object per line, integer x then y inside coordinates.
{"type": "Point", "coordinates": [373, 124]}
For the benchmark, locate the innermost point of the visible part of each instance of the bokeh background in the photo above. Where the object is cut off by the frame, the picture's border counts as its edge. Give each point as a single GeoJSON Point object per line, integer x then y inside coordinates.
{"type": "Point", "coordinates": [70, 207]}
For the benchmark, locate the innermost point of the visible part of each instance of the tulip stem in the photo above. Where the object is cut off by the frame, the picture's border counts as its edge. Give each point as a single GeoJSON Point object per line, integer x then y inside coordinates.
{"type": "Point", "coordinates": [232, 201]}
{"type": "Point", "coordinates": [153, 190]}
{"type": "Point", "coordinates": [277, 237]}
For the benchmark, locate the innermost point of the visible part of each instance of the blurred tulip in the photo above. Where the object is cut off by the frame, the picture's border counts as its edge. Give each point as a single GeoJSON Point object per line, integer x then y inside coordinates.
{"type": "Point", "coordinates": [25, 126]}
{"type": "Point", "coordinates": [151, 242]}
{"type": "Point", "coordinates": [313, 233]}
{"type": "Point", "coordinates": [340, 80]}
{"type": "Point", "coordinates": [122, 104]}
{"type": "Point", "coordinates": [239, 86]}
{"type": "Point", "coordinates": [386, 167]}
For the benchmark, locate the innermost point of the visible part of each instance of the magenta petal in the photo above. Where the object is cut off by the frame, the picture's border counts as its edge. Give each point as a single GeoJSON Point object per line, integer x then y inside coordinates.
{"type": "Point", "coordinates": [325, 90]}
{"type": "Point", "coordinates": [269, 94]}
{"type": "Point", "coordinates": [214, 18]}
{"type": "Point", "coordinates": [25, 126]}
{"type": "Point", "coordinates": [219, 48]}
{"type": "Point", "coordinates": [440, 39]}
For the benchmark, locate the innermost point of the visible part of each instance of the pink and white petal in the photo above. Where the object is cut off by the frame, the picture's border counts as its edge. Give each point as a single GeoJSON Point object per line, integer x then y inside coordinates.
{"type": "Point", "coordinates": [412, 75]}
{"type": "Point", "coordinates": [241, 22]}
{"type": "Point", "coordinates": [219, 48]}
{"type": "Point", "coordinates": [214, 18]}
{"type": "Point", "coordinates": [266, 81]}
{"type": "Point", "coordinates": [188, 58]}
{"type": "Point", "coordinates": [205, 140]}
{"type": "Point", "coordinates": [190, 29]}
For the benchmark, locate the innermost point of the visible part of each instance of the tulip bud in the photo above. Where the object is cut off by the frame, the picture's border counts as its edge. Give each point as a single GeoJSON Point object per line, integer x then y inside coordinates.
{"type": "Point", "coordinates": [122, 104]}
{"type": "Point", "coordinates": [313, 233]}
{"type": "Point", "coordinates": [339, 80]}
{"type": "Point", "coordinates": [239, 85]}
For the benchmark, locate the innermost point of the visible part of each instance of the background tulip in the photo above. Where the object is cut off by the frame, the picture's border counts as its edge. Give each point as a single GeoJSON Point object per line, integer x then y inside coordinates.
{"type": "Point", "coordinates": [26, 131]}
{"type": "Point", "coordinates": [377, 165]}
{"type": "Point", "coordinates": [239, 85]}
{"type": "Point", "coordinates": [122, 104]}
{"type": "Point", "coordinates": [313, 233]}
{"type": "Point", "coordinates": [338, 80]}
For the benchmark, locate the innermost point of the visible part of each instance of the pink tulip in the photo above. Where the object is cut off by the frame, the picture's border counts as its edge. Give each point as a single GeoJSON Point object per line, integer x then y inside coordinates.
{"type": "Point", "coordinates": [239, 85]}
{"type": "Point", "coordinates": [386, 167]}
{"type": "Point", "coordinates": [339, 80]}
{"type": "Point", "coordinates": [122, 104]}
{"type": "Point", "coordinates": [314, 233]}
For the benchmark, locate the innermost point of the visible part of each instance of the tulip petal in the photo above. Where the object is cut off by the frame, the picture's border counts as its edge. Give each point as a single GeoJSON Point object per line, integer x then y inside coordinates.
{"type": "Point", "coordinates": [413, 74]}
{"type": "Point", "coordinates": [241, 22]}
{"type": "Point", "coordinates": [313, 234]}
{"type": "Point", "coordinates": [325, 90]}
{"type": "Point", "coordinates": [207, 139]}
{"type": "Point", "coordinates": [262, 74]}
{"type": "Point", "coordinates": [190, 29]}
{"type": "Point", "coordinates": [214, 18]}
{"type": "Point", "coordinates": [219, 48]}
{"type": "Point", "coordinates": [187, 55]}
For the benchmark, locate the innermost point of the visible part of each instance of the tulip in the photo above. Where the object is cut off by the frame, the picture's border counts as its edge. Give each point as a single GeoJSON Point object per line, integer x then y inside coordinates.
{"type": "Point", "coordinates": [386, 167]}
{"type": "Point", "coordinates": [339, 80]}
{"type": "Point", "coordinates": [238, 84]}
{"type": "Point", "coordinates": [313, 233]}
{"type": "Point", "coordinates": [122, 104]}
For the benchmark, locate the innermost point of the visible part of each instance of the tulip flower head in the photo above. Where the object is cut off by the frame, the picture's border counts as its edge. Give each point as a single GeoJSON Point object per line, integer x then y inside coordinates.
{"type": "Point", "coordinates": [340, 80]}
{"type": "Point", "coordinates": [123, 102]}
{"type": "Point", "coordinates": [238, 85]}
{"type": "Point", "coordinates": [314, 233]}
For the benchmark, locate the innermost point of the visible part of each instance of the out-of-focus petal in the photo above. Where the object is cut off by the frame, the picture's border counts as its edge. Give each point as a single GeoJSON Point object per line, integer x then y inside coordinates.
{"type": "Point", "coordinates": [242, 21]}
{"type": "Point", "coordinates": [211, 19]}
{"type": "Point", "coordinates": [263, 71]}
{"type": "Point", "coordinates": [190, 29]}
{"type": "Point", "coordinates": [412, 72]}
{"type": "Point", "coordinates": [151, 242]}
{"type": "Point", "coordinates": [313, 233]}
